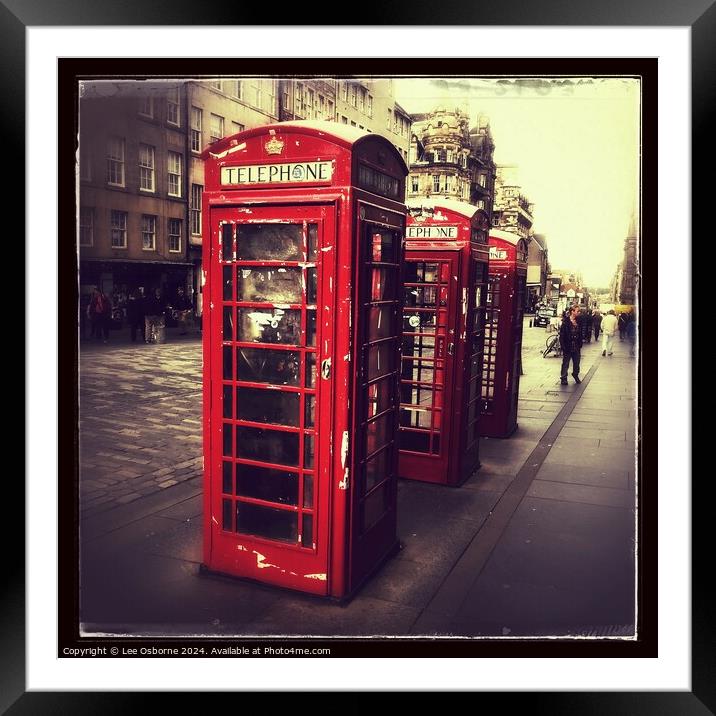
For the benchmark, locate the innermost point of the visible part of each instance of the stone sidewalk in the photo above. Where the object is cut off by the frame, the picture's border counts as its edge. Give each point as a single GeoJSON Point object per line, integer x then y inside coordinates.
{"type": "Point", "coordinates": [538, 542]}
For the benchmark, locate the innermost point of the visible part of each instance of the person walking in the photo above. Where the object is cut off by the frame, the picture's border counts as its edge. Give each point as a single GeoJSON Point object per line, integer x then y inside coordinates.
{"type": "Point", "coordinates": [631, 333]}
{"type": "Point", "coordinates": [609, 328]}
{"type": "Point", "coordinates": [570, 336]}
{"type": "Point", "coordinates": [622, 323]}
{"type": "Point", "coordinates": [586, 321]}
{"type": "Point", "coordinates": [155, 324]}
{"type": "Point", "coordinates": [135, 315]}
{"type": "Point", "coordinates": [596, 324]}
{"type": "Point", "coordinates": [99, 312]}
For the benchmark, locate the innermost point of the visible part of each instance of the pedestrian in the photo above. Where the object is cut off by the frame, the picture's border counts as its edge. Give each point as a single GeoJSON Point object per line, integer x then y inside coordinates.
{"type": "Point", "coordinates": [622, 323]}
{"type": "Point", "coordinates": [136, 314]}
{"type": "Point", "coordinates": [570, 336]}
{"type": "Point", "coordinates": [182, 307]}
{"type": "Point", "coordinates": [596, 324]}
{"type": "Point", "coordinates": [631, 333]}
{"type": "Point", "coordinates": [154, 319]}
{"type": "Point", "coordinates": [99, 312]}
{"type": "Point", "coordinates": [609, 328]}
{"type": "Point", "coordinates": [585, 321]}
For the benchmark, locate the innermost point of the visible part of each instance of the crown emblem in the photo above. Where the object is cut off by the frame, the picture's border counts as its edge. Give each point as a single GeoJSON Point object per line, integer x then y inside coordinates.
{"type": "Point", "coordinates": [274, 146]}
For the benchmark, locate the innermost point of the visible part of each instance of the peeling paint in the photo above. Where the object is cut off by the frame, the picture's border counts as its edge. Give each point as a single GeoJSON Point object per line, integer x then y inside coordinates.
{"type": "Point", "coordinates": [241, 548]}
{"type": "Point", "coordinates": [213, 519]}
{"type": "Point", "coordinates": [226, 152]}
{"type": "Point", "coordinates": [345, 482]}
{"type": "Point", "coordinates": [326, 248]}
{"type": "Point", "coordinates": [345, 442]}
{"type": "Point", "coordinates": [322, 577]}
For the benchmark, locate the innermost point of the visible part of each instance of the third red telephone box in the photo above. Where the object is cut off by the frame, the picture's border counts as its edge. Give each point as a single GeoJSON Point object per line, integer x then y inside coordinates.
{"type": "Point", "coordinates": [303, 241]}
{"type": "Point", "coordinates": [503, 333]}
{"type": "Point", "coordinates": [445, 277]}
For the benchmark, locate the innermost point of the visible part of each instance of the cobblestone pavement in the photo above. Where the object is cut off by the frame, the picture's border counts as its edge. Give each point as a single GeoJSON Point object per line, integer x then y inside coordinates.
{"type": "Point", "coordinates": [140, 421]}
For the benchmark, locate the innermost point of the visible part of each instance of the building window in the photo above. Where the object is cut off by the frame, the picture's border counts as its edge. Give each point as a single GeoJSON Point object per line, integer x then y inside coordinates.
{"type": "Point", "coordinates": [146, 167]}
{"type": "Point", "coordinates": [236, 89]}
{"type": "Point", "coordinates": [149, 232]}
{"type": "Point", "coordinates": [436, 182]}
{"type": "Point", "coordinates": [361, 100]}
{"type": "Point", "coordinates": [482, 179]}
{"type": "Point", "coordinates": [118, 229]}
{"type": "Point", "coordinates": [236, 127]}
{"type": "Point", "coordinates": [174, 235]}
{"type": "Point", "coordinates": [388, 119]}
{"type": "Point", "coordinates": [344, 91]}
{"type": "Point", "coordinates": [298, 99]}
{"type": "Point", "coordinates": [174, 174]}
{"type": "Point", "coordinates": [216, 128]}
{"type": "Point", "coordinates": [344, 119]}
{"type": "Point", "coordinates": [309, 104]}
{"type": "Point", "coordinates": [449, 155]}
{"type": "Point", "coordinates": [354, 95]}
{"type": "Point", "coordinates": [321, 107]}
{"type": "Point", "coordinates": [195, 209]}
{"type": "Point", "coordinates": [196, 116]}
{"type": "Point", "coordinates": [146, 106]}
{"type": "Point", "coordinates": [415, 185]}
{"type": "Point", "coordinates": [447, 183]}
{"type": "Point", "coordinates": [173, 106]}
{"type": "Point", "coordinates": [286, 98]}
{"type": "Point", "coordinates": [370, 105]}
{"type": "Point", "coordinates": [86, 226]}
{"type": "Point", "coordinates": [215, 84]}
{"type": "Point", "coordinates": [331, 110]}
{"type": "Point", "coordinates": [115, 161]}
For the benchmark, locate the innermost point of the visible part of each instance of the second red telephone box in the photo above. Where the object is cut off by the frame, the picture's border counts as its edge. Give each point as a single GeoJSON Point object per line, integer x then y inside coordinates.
{"type": "Point", "coordinates": [303, 243]}
{"type": "Point", "coordinates": [445, 278]}
{"type": "Point", "coordinates": [503, 333]}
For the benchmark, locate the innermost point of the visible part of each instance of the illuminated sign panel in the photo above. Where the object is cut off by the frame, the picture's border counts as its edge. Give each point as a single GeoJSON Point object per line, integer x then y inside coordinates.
{"type": "Point", "coordinates": [298, 173]}
{"type": "Point", "coordinates": [431, 232]}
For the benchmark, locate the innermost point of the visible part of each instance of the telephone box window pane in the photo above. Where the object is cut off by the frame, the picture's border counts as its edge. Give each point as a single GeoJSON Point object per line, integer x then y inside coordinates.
{"type": "Point", "coordinates": [228, 438]}
{"type": "Point", "coordinates": [312, 241]}
{"type": "Point", "coordinates": [380, 396]}
{"type": "Point", "coordinates": [310, 370]}
{"type": "Point", "coordinates": [227, 475]}
{"type": "Point", "coordinates": [280, 525]}
{"type": "Point", "coordinates": [269, 242]}
{"type": "Point", "coordinates": [308, 446]}
{"type": "Point", "coordinates": [308, 490]}
{"type": "Point", "coordinates": [228, 404]}
{"type": "Point", "coordinates": [415, 441]}
{"type": "Point", "coordinates": [228, 363]}
{"type": "Point", "coordinates": [420, 296]}
{"type": "Point", "coordinates": [311, 286]}
{"type": "Point", "coordinates": [265, 484]}
{"type": "Point", "coordinates": [420, 322]}
{"type": "Point", "coordinates": [226, 514]}
{"type": "Point", "coordinates": [310, 328]}
{"type": "Point", "coordinates": [310, 416]}
{"type": "Point", "coordinates": [378, 433]}
{"type": "Point", "coordinates": [382, 284]}
{"type": "Point", "coordinates": [227, 248]}
{"type": "Point", "coordinates": [377, 469]}
{"type": "Point", "coordinates": [383, 247]}
{"type": "Point", "coordinates": [419, 346]}
{"type": "Point", "coordinates": [227, 283]}
{"type": "Point", "coordinates": [280, 448]}
{"type": "Point", "coordinates": [279, 285]}
{"type": "Point", "coordinates": [374, 506]}
{"type": "Point", "coordinates": [381, 359]}
{"type": "Point", "coordinates": [259, 365]}
{"type": "Point", "coordinates": [410, 418]}
{"type": "Point", "coordinates": [228, 323]}
{"type": "Point", "coordinates": [380, 323]}
{"type": "Point", "coordinates": [268, 406]}
{"type": "Point", "coordinates": [307, 531]}
{"type": "Point", "coordinates": [269, 326]}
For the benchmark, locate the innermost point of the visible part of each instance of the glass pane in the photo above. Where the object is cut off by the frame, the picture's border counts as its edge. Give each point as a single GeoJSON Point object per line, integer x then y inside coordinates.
{"type": "Point", "coordinates": [382, 285]}
{"type": "Point", "coordinates": [383, 246]}
{"type": "Point", "coordinates": [308, 446]}
{"type": "Point", "coordinates": [420, 272]}
{"type": "Point", "coordinates": [265, 484]}
{"type": "Point", "coordinates": [419, 346]}
{"type": "Point", "coordinates": [420, 296]}
{"type": "Point", "coordinates": [280, 448]}
{"type": "Point", "coordinates": [269, 522]}
{"type": "Point", "coordinates": [377, 469]}
{"type": "Point", "coordinates": [227, 283]}
{"type": "Point", "coordinates": [226, 514]}
{"type": "Point", "coordinates": [259, 365]}
{"type": "Point", "coordinates": [269, 242]}
{"type": "Point", "coordinates": [380, 322]}
{"type": "Point", "coordinates": [228, 363]}
{"type": "Point", "coordinates": [310, 327]}
{"type": "Point", "coordinates": [282, 285]}
{"type": "Point", "coordinates": [375, 506]}
{"type": "Point", "coordinates": [268, 406]}
{"type": "Point", "coordinates": [269, 326]}
{"type": "Point", "coordinates": [310, 370]}
{"type": "Point", "coordinates": [307, 531]}
{"type": "Point", "coordinates": [379, 433]}
{"type": "Point", "coordinates": [310, 416]}
{"type": "Point", "coordinates": [227, 474]}
{"type": "Point", "coordinates": [228, 330]}
{"type": "Point", "coordinates": [380, 396]}
{"type": "Point", "coordinates": [311, 286]}
{"type": "Point", "coordinates": [414, 440]}
{"type": "Point", "coordinates": [312, 241]}
{"type": "Point", "coordinates": [307, 490]}
{"type": "Point", "coordinates": [227, 248]}
{"type": "Point", "coordinates": [228, 438]}
{"type": "Point", "coordinates": [228, 402]}
{"type": "Point", "coordinates": [381, 359]}
{"type": "Point", "coordinates": [410, 418]}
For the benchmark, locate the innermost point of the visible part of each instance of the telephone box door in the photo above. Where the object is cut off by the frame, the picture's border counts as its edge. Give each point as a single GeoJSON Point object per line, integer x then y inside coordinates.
{"type": "Point", "coordinates": [427, 372]}
{"type": "Point", "coordinates": [269, 496]}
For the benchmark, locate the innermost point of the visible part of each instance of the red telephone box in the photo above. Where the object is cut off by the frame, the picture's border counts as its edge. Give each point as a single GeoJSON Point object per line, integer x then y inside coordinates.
{"type": "Point", "coordinates": [503, 333]}
{"type": "Point", "coordinates": [445, 279]}
{"type": "Point", "coordinates": [303, 239]}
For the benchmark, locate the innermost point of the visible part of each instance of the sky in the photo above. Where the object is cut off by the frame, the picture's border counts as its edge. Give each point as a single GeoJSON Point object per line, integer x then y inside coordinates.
{"type": "Point", "coordinates": [575, 145]}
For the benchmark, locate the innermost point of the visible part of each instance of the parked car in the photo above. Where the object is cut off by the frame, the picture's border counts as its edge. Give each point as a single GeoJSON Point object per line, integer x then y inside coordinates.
{"type": "Point", "coordinates": [543, 316]}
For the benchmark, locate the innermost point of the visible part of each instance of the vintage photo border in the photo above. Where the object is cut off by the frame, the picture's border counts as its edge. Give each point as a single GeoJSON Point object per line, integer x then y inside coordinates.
{"type": "Point", "coordinates": [43, 13]}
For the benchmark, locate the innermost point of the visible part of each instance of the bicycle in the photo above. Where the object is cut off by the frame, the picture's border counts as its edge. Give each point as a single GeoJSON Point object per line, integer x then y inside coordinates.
{"type": "Point", "coordinates": [552, 346]}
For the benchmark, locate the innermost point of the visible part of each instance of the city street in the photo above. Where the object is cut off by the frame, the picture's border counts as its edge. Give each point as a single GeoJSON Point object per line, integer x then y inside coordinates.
{"type": "Point", "coordinates": [538, 542]}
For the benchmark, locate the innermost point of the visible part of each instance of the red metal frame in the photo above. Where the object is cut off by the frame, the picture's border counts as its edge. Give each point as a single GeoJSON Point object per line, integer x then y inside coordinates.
{"type": "Point", "coordinates": [446, 269]}
{"type": "Point", "coordinates": [503, 333]}
{"type": "Point", "coordinates": [289, 211]}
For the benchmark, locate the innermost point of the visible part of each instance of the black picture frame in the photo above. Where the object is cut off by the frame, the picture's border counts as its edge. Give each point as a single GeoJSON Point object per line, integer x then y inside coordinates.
{"type": "Point", "coordinates": [701, 17]}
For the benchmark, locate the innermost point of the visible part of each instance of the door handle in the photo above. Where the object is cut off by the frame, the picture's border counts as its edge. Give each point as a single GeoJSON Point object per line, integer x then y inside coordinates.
{"type": "Point", "coordinates": [450, 348]}
{"type": "Point", "coordinates": [326, 368]}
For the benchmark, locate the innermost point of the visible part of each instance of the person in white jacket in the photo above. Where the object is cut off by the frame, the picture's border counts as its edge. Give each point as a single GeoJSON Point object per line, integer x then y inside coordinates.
{"type": "Point", "coordinates": [609, 327]}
